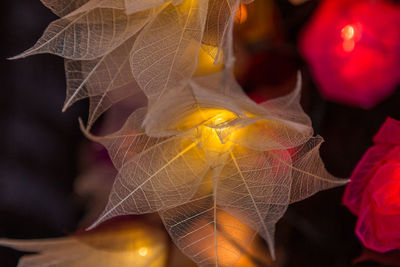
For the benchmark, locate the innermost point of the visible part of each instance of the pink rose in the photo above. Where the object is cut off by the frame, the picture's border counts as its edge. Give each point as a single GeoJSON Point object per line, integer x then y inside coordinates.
{"type": "Point", "coordinates": [353, 49]}
{"type": "Point", "coordinates": [373, 193]}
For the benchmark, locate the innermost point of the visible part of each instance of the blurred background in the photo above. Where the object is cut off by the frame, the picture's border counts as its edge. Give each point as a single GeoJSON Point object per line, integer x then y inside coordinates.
{"type": "Point", "coordinates": [45, 160]}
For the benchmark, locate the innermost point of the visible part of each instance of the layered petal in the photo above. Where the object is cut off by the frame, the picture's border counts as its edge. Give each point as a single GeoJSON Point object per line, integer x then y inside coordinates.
{"type": "Point", "coordinates": [204, 231]}
{"type": "Point", "coordinates": [105, 81]}
{"type": "Point", "coordinates": [309, 175]}
{"type": "Point", "coordinates": [361, 176]}
{"type": "Point", "coordinates": [63, 7]}
{"type": "Point", "coordinates": [218, 30]}
{"type": "Point", "coordinates": [133, 6]}
{"type": "Point", "coordinates": [89, 34]}
{"type": "Point", "coordinates": [256, 185]}
{"type": "Point", "coordinates": [165, 53]}
{"type": "Point", "coordinates": [379, 213]}
{"type": "Point", "coordinates": [154, 173]}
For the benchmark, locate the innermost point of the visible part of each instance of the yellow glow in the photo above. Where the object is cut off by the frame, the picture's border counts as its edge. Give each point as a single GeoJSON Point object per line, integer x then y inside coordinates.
{"type": "Point", "coordinates": [348, 32]}
{"type": "Point", "coordinates": [219, 120]}
{"type": "Point", "coordinates": [213, 131]}
{"type": "Point", "coordinates": [143, 251]}
{"type": "Point", "coordinates": [212, 117]}
{"type": "Point", "coordinates": [233, 237]}
{"type": "Point", "coordinates": [211, 128]}
{"type": "Point", "coordinates": [206, 61]}
{"type": "Point", "coordinates": [127, 242]}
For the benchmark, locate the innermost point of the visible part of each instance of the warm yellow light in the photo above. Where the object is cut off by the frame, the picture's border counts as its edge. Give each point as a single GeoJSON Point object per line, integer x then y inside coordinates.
{"type": "Point", "coordinates": [213, 129]}
{"type": "Point", "coordinates": [219, 120]}
{"type": "Point", "coordinates": [143, 251]}
{"type": "Point", "coordinates": [233, 238]}
{"type": "Point", "coordinates": [206, 64]}
{"type": "Point", "coordinates": [211, 117]}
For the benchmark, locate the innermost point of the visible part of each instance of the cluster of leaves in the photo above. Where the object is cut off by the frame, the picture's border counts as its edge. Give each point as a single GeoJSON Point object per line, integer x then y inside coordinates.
{"type": "Point", "coordinates": [116, 48]}
{"type": "Point", "coordinates": [217, 167]}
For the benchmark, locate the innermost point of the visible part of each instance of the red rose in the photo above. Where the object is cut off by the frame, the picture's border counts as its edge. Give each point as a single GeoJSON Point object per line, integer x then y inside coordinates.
{"type": "Point", "coordinates": [373, 193]}
{"type": "Point", "coordinates": [353, 49]}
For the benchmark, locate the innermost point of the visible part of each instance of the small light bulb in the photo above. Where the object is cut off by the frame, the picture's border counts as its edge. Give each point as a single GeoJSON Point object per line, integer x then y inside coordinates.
{"type": "Point", "coordinates": [348, 32]}
{"type": "Point", "coordinates": [143, 251]}
{"type": "Point", "coordinates": [350, 36]}
{"type": "Point", "coordinates": [219, 120]}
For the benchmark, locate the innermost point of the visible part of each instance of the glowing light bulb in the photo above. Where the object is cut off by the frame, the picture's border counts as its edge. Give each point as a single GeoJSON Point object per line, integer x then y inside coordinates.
{"type": "Point", "coordinates": [348, 35]}
{"type": "Point", "coordinates": [348, 32]}
{"type": "Point", "coordinates": [241, 14]}
{"type": "Point", "coordinates": [212, 128]}
{"type": "Point", "coordinates": [215, 128]}
{"type": "Point", "coordinates": [143, 251]}
{"type": "Point", "coordinates": [219, 120]}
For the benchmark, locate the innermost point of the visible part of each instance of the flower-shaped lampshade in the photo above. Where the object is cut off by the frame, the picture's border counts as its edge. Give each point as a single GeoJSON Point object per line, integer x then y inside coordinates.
{"type": "Point", "coordinates": [353, 49]}
{"type": "Point", "coordinates": [203, 154]}
{"type": "Point", "coordinates": [118, 48]}
{"type": "Point", "coordinates": [373, 193]}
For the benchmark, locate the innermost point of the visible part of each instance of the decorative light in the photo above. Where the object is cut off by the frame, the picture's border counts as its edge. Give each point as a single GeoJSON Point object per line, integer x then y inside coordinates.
{"type": "Point", "coordinates": [217, 126]}
{"type": "Point", "coordinates": [348, 32]}
{"type": "Point", "coordinates": [206, 64]}
{"type": "Point", "coordinates": [350, 35]}
{"type": "Point", "coordinates": [143, 251]}
{"type": "Point", "coordinates": [117, 243]}
{"type": "Point", "coordinates": [241, 14]}
{"type": "Point", "coordinates": [352, 48]}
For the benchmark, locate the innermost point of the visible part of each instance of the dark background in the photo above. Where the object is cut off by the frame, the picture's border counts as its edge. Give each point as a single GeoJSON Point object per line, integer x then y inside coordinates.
{"type": "Point", "coordinates": [40, 145]}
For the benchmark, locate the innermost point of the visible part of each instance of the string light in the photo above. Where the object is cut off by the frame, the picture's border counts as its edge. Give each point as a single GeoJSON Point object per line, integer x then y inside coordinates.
{"type": "Point", "coordinates": [348, 35]}
{"type": "Point", "coordinates": [348, 32]}
{"type": "Point", "coordinates": [143, 251]}
{"type": "Point", "coordinates": [241, 14]}
{"type": "Point", "coordinates": [215, 128]}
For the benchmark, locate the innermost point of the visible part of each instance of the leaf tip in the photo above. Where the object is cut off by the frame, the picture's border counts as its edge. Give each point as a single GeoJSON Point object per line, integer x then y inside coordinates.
{"type": "Point", "coordinates": [97, 222]}
{"type": "Point", "coordinates": [15, 57]}
{"type": "Point", "coordinates": [81, 125]}
{"type": "Point", "coordinates": [86, 131]}
{"type": "Point", "coordinates": [66, 106]}
{"type": "Point", "coordinates": [25, 54]}
{"type": "Point", "coordinates": [92, 226]}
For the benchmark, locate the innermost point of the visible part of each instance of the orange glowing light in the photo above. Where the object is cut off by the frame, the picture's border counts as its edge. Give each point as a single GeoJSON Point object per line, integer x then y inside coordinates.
{"type": "Point", "coordinates": [348, 32]}
{"type": "Point", "coordinates": [348, 45]}
{"type": "Point", "coordinates": [241, 14]}
{"type": "Point", "coordinates": [348, 35]}
{"type": "Point", "coordinates": [143, 251]}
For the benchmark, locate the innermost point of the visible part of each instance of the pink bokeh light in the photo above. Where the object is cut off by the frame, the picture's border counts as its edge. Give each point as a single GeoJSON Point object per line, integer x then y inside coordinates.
{"type": "Point", "coordinates": [353, 50]}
